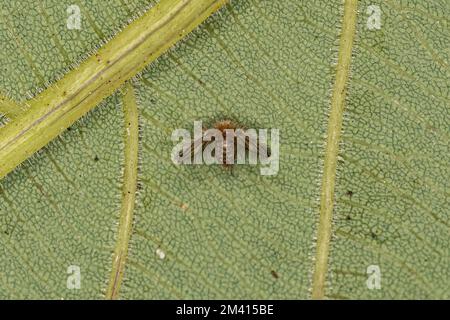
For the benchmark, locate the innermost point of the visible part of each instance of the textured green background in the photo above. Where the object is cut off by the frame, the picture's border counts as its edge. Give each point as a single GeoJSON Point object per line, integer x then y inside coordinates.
{"type": "Point", "coordinates": [268, 64]}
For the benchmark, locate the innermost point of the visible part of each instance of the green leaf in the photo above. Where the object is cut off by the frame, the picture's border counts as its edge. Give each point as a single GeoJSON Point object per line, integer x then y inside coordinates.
{"type": "Point", "coordinates": [362, 193]}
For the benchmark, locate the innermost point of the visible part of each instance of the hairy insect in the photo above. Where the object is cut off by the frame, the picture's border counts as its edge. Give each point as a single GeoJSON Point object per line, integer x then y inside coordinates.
{"type": "Point", "coordinates": [236, 133]}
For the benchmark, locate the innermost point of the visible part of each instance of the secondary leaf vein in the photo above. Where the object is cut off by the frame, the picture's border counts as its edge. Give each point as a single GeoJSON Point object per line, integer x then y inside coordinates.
{"type": "Point", "coordinates": [332, 148]}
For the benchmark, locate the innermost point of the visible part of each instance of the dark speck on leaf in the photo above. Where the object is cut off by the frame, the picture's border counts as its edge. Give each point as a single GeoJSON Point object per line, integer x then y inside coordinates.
{"type": "Point", "coordinates": [96, 158]}
{"type": "Point", "coordinates": [274, 274]}
{"type": "Point", "coordinates": [349, 193]}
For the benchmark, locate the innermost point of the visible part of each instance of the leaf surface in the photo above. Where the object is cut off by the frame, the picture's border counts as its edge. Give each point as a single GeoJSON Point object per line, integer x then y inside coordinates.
{"type": "Point", "coordinates": [363, 182]}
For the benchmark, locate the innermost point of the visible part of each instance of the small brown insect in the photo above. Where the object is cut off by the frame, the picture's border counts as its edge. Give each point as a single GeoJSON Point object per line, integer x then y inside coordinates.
{"type": "Point", "coordinates": [223, 126]}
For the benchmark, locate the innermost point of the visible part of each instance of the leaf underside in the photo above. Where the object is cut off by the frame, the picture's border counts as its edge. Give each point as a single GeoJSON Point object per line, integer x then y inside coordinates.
{"type": "Point", "coordinates": [224, 234]}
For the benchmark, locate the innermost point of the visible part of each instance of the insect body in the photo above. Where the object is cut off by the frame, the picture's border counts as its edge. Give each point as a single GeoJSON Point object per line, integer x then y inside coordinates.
{"type": "Point", "coordinates": [229, 144]}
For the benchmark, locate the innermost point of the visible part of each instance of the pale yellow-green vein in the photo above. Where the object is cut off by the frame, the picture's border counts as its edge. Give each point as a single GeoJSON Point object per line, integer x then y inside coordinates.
{"type": "Point", "coordinates": [332, 148]}
{"type": "Point", "coordinates": [128, 192]}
